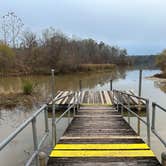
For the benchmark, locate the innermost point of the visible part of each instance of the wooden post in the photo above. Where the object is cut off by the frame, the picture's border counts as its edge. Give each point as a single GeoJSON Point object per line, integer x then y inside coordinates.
{"type": "Point", "coordinates": [140, 83]}
{"type": "Point", "coordinates": [110, 85]}
{"type": "Point", "coordinates": [53, 110]}
{"type": "Point", "coordinates": [139, 102]}
{"type": "Point", "coordinates": [80, 85]}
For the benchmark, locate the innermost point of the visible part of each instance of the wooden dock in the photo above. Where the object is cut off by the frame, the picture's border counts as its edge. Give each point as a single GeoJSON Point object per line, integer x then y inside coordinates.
{"type": "Point", "coordinates": [99, 135]}
{"type": "Point", "coordinates": [96, 98]}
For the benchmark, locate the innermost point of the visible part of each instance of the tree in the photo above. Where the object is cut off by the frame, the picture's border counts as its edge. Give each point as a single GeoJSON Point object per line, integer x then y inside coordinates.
{"type": "Point", "coordinates": [29, 40]}
{"type": "Point", "coordinates": [6, 57]}
{"type": "Point", "coordinates": [161, 61]}
{"type": "Point", "coordinates": [11, 26]}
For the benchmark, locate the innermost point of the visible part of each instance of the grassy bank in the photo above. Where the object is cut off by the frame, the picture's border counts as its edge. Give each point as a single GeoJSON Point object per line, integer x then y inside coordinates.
{"type": "Point", "coordinates": [12, 100]}
{"type": "Point", "coordinates": [160, 75]}
{"type": "Point", "coordinates": [96, 67]}
{"type": "Point", "coordinates": [74, 69]}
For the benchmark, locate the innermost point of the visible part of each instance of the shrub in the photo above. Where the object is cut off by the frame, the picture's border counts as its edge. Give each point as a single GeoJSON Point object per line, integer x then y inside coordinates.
{"type": "Point", "coordinates": [28, 87]}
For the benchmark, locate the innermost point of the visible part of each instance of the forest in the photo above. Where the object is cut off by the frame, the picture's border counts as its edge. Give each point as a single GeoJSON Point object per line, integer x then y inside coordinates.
{"type": "Point", "coordinates": [25, 52]}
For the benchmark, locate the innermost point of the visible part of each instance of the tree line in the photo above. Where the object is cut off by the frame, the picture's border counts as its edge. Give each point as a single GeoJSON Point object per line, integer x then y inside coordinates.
{"type": "Point", "coordinates": [23, 51]}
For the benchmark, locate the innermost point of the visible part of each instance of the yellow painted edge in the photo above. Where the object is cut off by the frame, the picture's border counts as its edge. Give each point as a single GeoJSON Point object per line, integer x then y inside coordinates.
{"type": "Point", "coordinates": [101, 146]}
{"type": "Point", "coordinates": [102, 137]}
{"type": "Point", "coordinates": [91, 104]}
{"type": "Point", "coordinates": [105, 153]}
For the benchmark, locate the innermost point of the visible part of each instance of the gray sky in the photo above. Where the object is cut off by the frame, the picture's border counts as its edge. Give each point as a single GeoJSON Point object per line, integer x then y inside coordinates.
{"type": "Point", "coordinates": [137, 25]}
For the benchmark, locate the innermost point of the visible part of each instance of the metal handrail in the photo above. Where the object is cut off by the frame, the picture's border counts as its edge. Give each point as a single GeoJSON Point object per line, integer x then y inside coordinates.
{"type": "Point", "coordinates": [154, 105]}
{"type": "Point", "coordinates": [138, 97]}
{"type": "Point", "coordinates": [32, 120]}
{"type": "Point", "coordinates": [127, 107]}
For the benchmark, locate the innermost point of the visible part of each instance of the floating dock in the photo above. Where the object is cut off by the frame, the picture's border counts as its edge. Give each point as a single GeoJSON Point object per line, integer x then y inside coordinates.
{"type": "Point", "coordinates": [96, 98]}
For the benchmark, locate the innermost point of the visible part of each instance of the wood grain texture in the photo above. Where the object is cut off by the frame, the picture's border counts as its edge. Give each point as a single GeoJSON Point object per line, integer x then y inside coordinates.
{"type": "Point", "coordinates": [97, 125]}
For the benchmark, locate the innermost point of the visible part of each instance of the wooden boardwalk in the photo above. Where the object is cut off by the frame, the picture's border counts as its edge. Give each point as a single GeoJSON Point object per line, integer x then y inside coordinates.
{"type": "Point", "coordinates": [98, 135]}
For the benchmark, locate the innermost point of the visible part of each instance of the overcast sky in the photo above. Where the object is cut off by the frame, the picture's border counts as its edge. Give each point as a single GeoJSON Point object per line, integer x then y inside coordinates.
{"type": "Point", "coordinates": [137, 25]}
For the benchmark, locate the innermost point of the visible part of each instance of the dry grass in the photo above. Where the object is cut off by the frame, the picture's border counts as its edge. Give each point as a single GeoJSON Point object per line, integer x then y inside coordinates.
{"type": "Point", "coordinates": [96, 67]}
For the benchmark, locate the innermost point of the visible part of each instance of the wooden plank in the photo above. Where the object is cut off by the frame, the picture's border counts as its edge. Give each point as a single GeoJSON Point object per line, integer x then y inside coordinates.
{"type": "Point", "coordinates": [63, 94]}
{"type": "Point", "coordinates": [82, 96]}
{"type": "Point", "coordinates": [108, 100]}
{"type": "Point", "coordinates": [101, 96]}
{"type": "Point", "coordinates": [65, 99]}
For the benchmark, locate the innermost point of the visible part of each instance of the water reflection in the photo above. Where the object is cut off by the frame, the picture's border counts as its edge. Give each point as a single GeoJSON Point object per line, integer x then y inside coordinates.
{"type": "Point", "coordinates": [161, 85]}
{"type": "Point", "coordinates": [124, 79]}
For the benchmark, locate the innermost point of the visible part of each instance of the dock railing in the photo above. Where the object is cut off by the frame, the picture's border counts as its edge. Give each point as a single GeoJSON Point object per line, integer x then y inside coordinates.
{"type": "Point", "coordinates": [36, 142]}
{"type": "Point", "coordinates": [119, 103]}
{"type": "Point", "coordinates": [153, 128]}
{"type": "Point", "coordinates": [154, 131]}
{"type": "Point", "coordinates": [32, 120]}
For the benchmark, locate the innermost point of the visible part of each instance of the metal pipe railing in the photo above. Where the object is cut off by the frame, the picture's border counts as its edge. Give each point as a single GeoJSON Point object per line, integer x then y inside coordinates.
{"type": "Point", "coordinates": [119, 102]}
{"type": "Point", "coordinates": [36, 145]}
{"type": "Point", "coordinates": [153, 128]}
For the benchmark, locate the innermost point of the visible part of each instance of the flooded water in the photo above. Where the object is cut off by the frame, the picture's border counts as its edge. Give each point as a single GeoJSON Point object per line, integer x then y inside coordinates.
{"type": "Point", "coordinates": [20, 148]}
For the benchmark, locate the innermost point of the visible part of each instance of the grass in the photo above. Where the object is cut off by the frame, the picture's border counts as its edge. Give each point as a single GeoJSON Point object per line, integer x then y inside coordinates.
{"type": "Point", "coordinates": [96, 67]}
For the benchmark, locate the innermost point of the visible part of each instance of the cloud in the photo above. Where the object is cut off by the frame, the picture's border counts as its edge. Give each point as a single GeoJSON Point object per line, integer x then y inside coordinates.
{"type": "Point", "coordinates": [137, 25]}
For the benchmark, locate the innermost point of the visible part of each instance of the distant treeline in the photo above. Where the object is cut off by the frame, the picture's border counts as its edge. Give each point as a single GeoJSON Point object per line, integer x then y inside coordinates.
{"type": "Point", "coordinates": [143, 61]}
{"type": "Point", "coordinates": [37, 55]}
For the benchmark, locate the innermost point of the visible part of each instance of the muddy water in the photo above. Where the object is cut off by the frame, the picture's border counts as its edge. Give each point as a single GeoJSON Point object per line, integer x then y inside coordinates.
{"type": "Point", "coordinates": [20, 148]}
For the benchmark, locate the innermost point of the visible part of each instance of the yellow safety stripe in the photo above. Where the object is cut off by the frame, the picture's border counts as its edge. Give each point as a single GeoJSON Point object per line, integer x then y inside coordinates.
{"type": "Point", "coordinates": [102, 146]}
{"type": "Point", "coordinates": [101, 153]}
{"type": "Point", "coordinates": [91, 104]}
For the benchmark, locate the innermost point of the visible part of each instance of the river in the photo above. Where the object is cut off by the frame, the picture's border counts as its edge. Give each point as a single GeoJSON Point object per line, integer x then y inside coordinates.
{"type": "Point", "coordinates": [20, 148]}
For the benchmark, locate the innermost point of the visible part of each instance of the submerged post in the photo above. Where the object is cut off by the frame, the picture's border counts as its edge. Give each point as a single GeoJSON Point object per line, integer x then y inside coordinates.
{"type": "Point", "coordinates": [80, 85]}
{"type": "Point", "coordinates": [139, 103]}
{"type": "Point", "coordinates": [53, 109]}
{"type": "Point", "coordinates": [140, 83]}
{"type": "Point", "coordinates": [110, 85]}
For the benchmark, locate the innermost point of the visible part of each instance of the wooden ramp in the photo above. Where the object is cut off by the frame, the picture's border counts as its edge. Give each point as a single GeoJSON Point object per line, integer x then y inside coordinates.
{"type": "Point", "coordinates": [98, 135]}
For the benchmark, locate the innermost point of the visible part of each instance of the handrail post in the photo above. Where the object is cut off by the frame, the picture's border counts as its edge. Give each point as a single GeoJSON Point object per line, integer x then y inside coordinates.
{"type": "Point", "coordinates": [148, 122]}
{"type": "Point", "coordinates": [77, 100]}
{"type": "Point", "coordinates": [122, 105]}
{"type": "Point", "coordinates": [74, 104]}
{"type": "Point", "coordinates": [46, 119]}
{"type": "Point", "coordinates": [53, 110]}
{"type": "Point", "coordinates": [35, 141]}
{"type": "Point", "coordinates": [153, 115]}
{"type": "Point", "coordinates": [128, 100]}
{"type": "Point", "coordinates": [68, 114]}
{"type": "Point", "coordinates": [139, 106]}
{"type": "Point", "coordinates": [113, 96]}
{"type": "Point", "coordinates": [117, 101]}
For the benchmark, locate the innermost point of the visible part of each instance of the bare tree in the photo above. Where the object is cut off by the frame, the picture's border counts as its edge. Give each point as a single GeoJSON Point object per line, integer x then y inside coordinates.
{"type": "Point", "coordinates": [29, 39]}
{"type": "Point", "coordinates": [11, 27]}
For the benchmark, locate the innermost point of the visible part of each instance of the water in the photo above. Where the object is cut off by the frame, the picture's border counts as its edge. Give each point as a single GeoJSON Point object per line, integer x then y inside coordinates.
{"type": "Point", "coordinates": [21, 147]}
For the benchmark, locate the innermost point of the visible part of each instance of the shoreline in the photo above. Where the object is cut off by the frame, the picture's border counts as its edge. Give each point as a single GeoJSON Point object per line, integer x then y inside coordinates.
{"type": "Point", "coordinates": [13, 100]}
{"type": "Point", "coordinates": [84, 68]}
